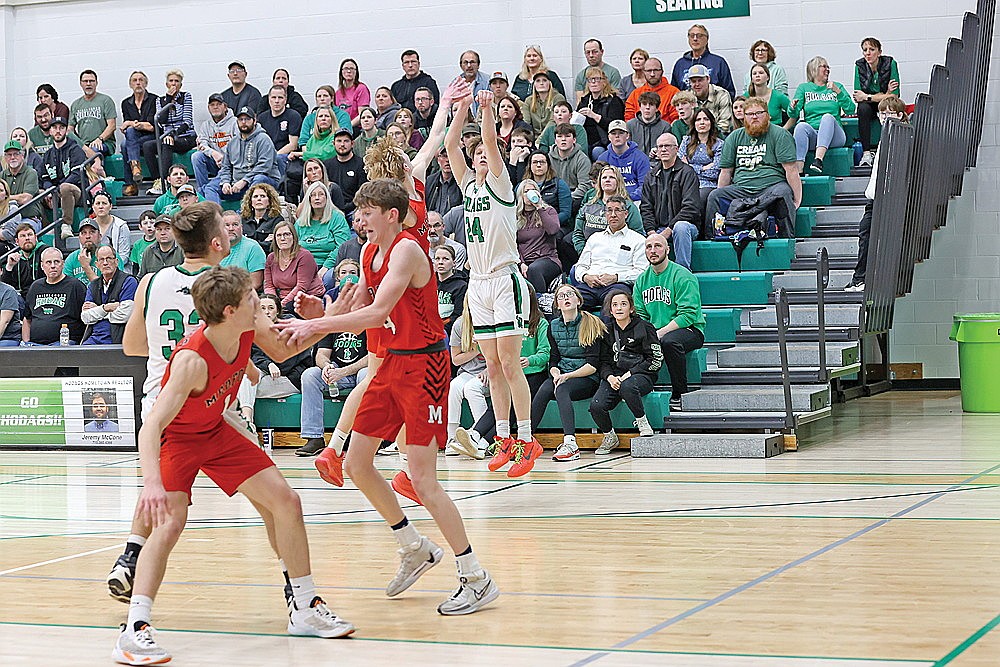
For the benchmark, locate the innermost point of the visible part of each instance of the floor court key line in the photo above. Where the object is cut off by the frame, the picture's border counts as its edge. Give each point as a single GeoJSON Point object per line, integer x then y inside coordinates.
{"type": "Point", "coordinates": [773, 573]}
{"type": "Point", "coordinates": [59, 560]}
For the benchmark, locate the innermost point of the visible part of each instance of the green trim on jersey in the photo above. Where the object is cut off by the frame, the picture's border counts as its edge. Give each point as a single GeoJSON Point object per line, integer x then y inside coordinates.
{"type": "Point", "coordinates": [192, 273]}
{"type": "Point", "coordinates": [149, 290]}
{"type": "Point", "coordinates": [508, 204]}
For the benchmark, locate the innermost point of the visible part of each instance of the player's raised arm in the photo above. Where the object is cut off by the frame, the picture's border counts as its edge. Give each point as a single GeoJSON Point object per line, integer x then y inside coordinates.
{"type": "Point", "coordinates": [453, 140]}
{"type": "Point", "coordinates": [407, 264]}
{"type": "Point", "coordinates": [188, 375]}
{"type": "Point", "coordinates": [134, 342]}
{"type": "Point", "coordinates": [489, 133]}
{"type": "Point", "coordinates": [456, 90]}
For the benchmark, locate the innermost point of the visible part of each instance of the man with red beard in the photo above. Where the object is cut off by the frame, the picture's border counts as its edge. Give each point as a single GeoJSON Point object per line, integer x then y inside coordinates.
{"type": "Point", "coordinates": [757, 159]}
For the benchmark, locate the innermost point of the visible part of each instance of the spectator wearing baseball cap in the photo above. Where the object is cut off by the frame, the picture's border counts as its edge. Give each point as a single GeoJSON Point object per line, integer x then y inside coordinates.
{"type": "Point", "coordinates": [213, 135]}
{"type": "Point", "coordinates": [699, 54]}
{"type": "Point", "coordinates": [627, 157]}
{"type": "Point", "coordinates": [249, 159]}
{"type": "Point", "coordinates": [499, 85]}
{"type": "Point", "coordinates": [60, 163]}
{"type": "Point", "coordinates": [712, 97]}
{"type": "Point", "coordinates": [22, 186]}
{"type": "Point", "coordinates": [345, 168]}
{"type": "Point", "coordinates": [81, 264]}
{"type": "Point", "coordinates": [165, 252]}
{"type": "Point", "coordinates": [240, 94]}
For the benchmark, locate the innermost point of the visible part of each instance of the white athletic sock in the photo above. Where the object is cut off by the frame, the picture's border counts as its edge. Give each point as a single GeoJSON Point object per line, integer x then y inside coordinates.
{"type": "Point", "coordinates": [304, 590]}
{"type": "Point", "coordinates": [404, 464]}
{"type": "Point", "coordinates": [139, 609]}
{"type": "Point", "coordinates": [468, 564]}
{"type": "Point", "coordinates": [138, 540]}
{"type": "Point", "coordinates": [452, 428]}
{"type": "Point", "coordinates": [406, 535]}
{"type": "Point", "coordinates": [337, 441]}
{"type": "Point", "coordinates": [569, 440]}
{"type": "Point", "coordinates": [524, 430]}
{"type": "Point", "coordinates": [503, 428]}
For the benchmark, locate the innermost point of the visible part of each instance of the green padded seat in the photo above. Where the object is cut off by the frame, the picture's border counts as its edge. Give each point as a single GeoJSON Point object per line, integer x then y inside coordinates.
{"type": "Point", "coordinates": [721, 324]}
{"type": "Point", "coordinates": [776, 255]}
{"type": "Point", "coordinates": [114, 166]}
{"type": "Point", "coordinates": [818, 190]}
{"type": "Point", "coordinates": [838, 161]}
{"type": "Point", "coordinates": [657, 404]}
{"type": "Point", "coordinates": [285, 413]}
{"type": "Point", "coordinates": [805, 220]}
{"type": "Point", "coordinates": [729, 289]}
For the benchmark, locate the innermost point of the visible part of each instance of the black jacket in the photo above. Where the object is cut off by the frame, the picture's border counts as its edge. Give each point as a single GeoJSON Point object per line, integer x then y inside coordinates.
{"type": "Point", "coordinates": [404, 89]}
{"type": "Point", "coordinates": [452, 292]}
{"type": "Point", "coordinates": [260, 232]}
{"type": "Point", "coordinates": [59, 163]}
{"type": "Point", "coordinates": [608, 108]}
{"type": "Point", "coordinates": [25, 272]}
{"type": "Point", "coordinates": [670, 195]}
{"type": "Point", "coordinates": [442, 196]}
{"type": "Point", "coordinates": [291, 368]}
{"type": "Point", "coordinates": [635, 349]}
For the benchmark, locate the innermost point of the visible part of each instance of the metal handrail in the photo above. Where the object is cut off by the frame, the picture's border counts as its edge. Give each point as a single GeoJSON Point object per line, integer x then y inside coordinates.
{"type": "Point", "coordinates": [822, 282]}
{"type": "Point", "coordinates": [783, 320]}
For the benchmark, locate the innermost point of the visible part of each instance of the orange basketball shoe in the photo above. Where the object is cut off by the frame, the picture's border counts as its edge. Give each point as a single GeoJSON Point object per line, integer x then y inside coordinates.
{"type": "Point", "coordinates": [330, 466]}
{"type": "Point", "coordinates": [501, 453]}
{"type": "Point", "coordinates": [524, 455]}
{"type": "Point", "coordinates": [402, 485]}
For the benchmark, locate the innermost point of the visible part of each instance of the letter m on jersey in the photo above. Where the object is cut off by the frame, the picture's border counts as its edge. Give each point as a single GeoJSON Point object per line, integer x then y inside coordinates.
{"type": "Point", "coordinates": [435, 414]}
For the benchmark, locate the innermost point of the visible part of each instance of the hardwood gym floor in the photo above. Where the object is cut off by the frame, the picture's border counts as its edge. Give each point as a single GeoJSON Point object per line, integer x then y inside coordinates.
{"type": "Point", "coordinates": [875, 544]}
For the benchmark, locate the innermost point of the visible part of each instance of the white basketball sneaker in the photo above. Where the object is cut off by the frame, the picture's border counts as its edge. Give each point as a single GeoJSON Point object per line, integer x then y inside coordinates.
{"type": "Point", "coordinates": [473, 593]}
{"type": "Point", "coordinates": [317, 621]}
{"type": "Point", "coordinates": [137, 647]}
{"type": "Point", "coordinates": [413, 562]}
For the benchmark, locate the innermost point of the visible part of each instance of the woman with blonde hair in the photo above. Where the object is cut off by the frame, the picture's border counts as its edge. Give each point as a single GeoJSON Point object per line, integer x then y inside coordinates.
{"type": "Point", "coordinates": [600, 106]}
{"type": "Point", "coordinates": [537, 235]}
{"type": "Point", "coordinates": [538, 107]}
{"type": "Point", "coordinates": [592, 218]}
{"type": "Point", "coordinates": [177, 133]}
{"type": "Point", "coordinates": [8, 232]}
{"type": "Point", "coordinates": [533, 63]}
{"type": "Point", "coordinates": [321, 227]}
{"type": "Point", "coordinates": [325, 96]}
{"type": "Point", "coordinates": [290, 269]}
{"type": "Point", "coordinates": [575, 338]}
{"type": "Point", "coordinates": [31, 158]}
{"type": "Point", "coordinates": [395, 133]}
{"type": "Point", "coordinates": [260, 211]}
{"type": "Point", "coordinates": [822, 103]}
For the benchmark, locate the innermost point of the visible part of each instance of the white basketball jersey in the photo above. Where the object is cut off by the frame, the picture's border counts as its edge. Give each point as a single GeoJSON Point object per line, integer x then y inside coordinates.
{"type": "Point", "coordinates": [490, 223]}
{"type": "Point", "coordinates": [170, 316]}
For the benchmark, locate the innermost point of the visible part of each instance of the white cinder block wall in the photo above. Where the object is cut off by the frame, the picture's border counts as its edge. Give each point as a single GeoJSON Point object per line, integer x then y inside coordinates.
{"type": "Point", "coordinates": [51, 41]}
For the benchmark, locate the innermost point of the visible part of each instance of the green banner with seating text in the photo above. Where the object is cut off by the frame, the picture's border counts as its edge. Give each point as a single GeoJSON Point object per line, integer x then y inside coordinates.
{"type": "Point", "coordinates": [653, 11]}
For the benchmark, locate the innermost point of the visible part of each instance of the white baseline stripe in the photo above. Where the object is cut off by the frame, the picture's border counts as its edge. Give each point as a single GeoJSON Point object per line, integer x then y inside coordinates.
{"type": "Point", "coordinates": [59, 560]}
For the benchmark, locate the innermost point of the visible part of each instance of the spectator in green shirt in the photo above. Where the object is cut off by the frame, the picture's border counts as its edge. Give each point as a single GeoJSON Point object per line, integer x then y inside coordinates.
{"type": "Point", "coordinates": [821, 103]}
{"type": "Point", "coordinates": [93, 117]}
{"type": "Point", "coordinates": [244, 252]}
{"type": "Point", "coordinates": [668, 296]}
{"type": "Point", "coordinates": [139, 245]}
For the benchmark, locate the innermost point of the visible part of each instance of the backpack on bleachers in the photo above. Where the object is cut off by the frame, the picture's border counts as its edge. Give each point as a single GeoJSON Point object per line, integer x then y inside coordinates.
{"type": "Point", "coordinates": [748, 220]}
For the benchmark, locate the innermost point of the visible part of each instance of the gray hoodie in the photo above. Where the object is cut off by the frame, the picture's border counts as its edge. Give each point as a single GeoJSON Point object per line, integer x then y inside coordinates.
{"type": "Point", "coordinates": [645, 134]}
{"type": "Point", "coordinates": [246, 158]}
{"type": "Point", "coordinates": [574, 169]}
{"type": "Point", "coordinates": [215, 135]}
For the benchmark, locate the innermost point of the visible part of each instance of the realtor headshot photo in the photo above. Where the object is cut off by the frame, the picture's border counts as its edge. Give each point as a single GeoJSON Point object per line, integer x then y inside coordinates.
{"type": "Point", "coordinates": [100, 409]}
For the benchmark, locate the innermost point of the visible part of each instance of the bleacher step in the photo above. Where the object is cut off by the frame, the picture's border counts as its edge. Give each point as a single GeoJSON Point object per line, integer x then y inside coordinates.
{"type": "Point", "coordinates": [755, 398]}
{"type": "Point", "coordinates": [732, 446]}
{"type": "Point", "coordinates": [797, 281]}
{"type": "Point", "coordinates": [806, 316]}
{"type": "Point", "coordinates": [852, 185]}
{"type": "Point", "coordinates": [847, 247]}
{"type": "Point", "coordinates": [833, 295]}
{"type": "Point", "coordinates": [849, 199]}
{"type": "Point", "coordinates": [809, 263]}
{"type": "Point", "coordinates": [767, 355]}
{"type": "Point", "coordinates": [798, 335]}
{"type": "Point", "coordinates": [764, 376]}
{"type": "Point", "coordinates": [734, 420]}
{"type": "Point", "coordinates": [836, 231]}
{"type": "Point", "coordinates": [838, 214]}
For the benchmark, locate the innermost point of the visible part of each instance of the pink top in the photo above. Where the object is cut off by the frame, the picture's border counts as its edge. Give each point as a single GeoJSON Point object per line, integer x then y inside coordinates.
{"type": "Point", "coordinates": [352, 99]}
{"type": "Point", "coordinates": [302, 275]}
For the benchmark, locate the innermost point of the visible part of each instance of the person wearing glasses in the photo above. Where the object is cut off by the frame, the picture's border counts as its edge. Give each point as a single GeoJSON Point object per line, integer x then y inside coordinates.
{"type": "Point", "coordinates": [240, 94]}
{"type": "Point", "coordinates": [671, 203]}
{"type": "Point", "coordinates": [655, 83]}
{"type": "Point", "coordinates": [108, 303]}
{"type": "Point", "coordinates": [757, 160]}
{"type": "Point", "coordinates": [700, 55]}
{"type": "Point", "coordinates": [405, 88]}
{"type": "Point", "coordinates": [593, 51]}
{"type": "Point", "coordinates": [762, 53]}
{"type": "Point", "coordinates": [469, 62]}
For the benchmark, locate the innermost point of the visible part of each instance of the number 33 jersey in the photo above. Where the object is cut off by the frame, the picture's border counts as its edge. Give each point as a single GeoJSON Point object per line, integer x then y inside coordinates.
{"type": "Point", "coordinates": [490, 223]}
{"type": "Point", "coordinates": [170, 316]}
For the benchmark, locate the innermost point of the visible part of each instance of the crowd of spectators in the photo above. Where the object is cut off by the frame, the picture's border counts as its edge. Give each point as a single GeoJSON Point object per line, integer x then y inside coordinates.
{"type": "Point", "coordinates": [613, 172]}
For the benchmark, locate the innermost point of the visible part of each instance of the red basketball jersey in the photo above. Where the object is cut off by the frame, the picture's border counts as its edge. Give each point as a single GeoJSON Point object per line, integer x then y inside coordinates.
{"type": "Point", "coordinates": [414, 322]}
{"type": "Point", "coordinates": [202, 413]}
{"type": "Point", "coordinates": [419, 207]}
{"type": "Point", "coordinates": [418, 232]}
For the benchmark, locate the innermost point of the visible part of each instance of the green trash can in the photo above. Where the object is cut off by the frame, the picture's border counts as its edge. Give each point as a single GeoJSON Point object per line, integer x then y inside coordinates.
{"type": "Point", "coordinates": [978, 337]}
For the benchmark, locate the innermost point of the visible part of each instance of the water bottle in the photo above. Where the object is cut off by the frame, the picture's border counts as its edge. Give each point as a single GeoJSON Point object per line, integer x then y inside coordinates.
{"type": "Point", "coordinates": [64, 335]}
{"type": "Point", "coordinates": [267, 440]}
{"type": "Point", "coordinates": [859, 152]}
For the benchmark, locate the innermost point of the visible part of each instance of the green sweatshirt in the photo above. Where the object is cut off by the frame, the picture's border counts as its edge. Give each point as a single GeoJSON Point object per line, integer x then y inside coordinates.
{"type": "Point", "coordinates": [323, 239]}
{"type": "Point", "coordinates": [537, 349]}
{"type": "Point", "coordinates": [814, 100]}
{"type": "Point", "coordinates": [670, 296]}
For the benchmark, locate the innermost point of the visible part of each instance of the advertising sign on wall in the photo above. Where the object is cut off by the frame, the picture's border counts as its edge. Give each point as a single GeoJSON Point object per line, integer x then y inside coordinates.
{"type": "Point", "coordinates": [67, 412]}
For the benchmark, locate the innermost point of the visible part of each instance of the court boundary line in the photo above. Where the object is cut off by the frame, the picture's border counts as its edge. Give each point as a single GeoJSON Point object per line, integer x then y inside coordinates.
{"type": "Point", "coordinates": [648, 632]}
{"type": "Point", "coordinates": [355, 638]}
{"type": "Point", "coordinates": [58, 560]}
{"type": "Point", "coordinates": [969, 641]}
